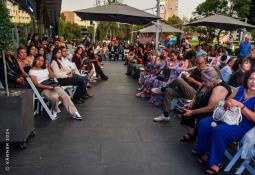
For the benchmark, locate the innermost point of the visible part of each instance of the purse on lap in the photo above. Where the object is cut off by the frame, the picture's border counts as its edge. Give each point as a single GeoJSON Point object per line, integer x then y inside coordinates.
{"type": "Point", "coordinates": [50, 82]}
{"type": "Point", "coordinates": [228, 115]}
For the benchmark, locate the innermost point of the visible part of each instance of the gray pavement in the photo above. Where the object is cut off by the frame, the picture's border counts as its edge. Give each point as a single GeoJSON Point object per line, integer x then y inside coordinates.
{"type": "Point", "coordinates": [116, 137]}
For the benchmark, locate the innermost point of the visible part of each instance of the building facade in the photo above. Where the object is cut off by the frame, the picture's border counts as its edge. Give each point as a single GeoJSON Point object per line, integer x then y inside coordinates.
{"type": "Point", "coordinates": [168, 8]}
{"type": "Point", "coordinates": [18, 16]}
{"type": "Point", "coordinates": [74, 18]}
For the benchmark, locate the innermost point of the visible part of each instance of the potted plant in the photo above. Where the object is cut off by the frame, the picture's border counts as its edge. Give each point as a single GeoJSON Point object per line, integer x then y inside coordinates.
{"type": "Point", "coordinates": [16, 106]}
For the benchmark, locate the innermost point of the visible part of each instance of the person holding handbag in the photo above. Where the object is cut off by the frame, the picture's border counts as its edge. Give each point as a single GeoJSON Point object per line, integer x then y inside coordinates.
{"type": "Point", "coordinates": [43, 78]}
{"type": "Point", "coordinates": [206, 98]}
{"type": "Point", "coordinates": [214, 140]}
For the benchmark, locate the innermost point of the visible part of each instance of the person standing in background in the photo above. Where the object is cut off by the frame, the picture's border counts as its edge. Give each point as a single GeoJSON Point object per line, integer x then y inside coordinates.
{"type": "Point", "coordinates": [245, 47]}
{"type": "Point", "coordinates": [230, 44]}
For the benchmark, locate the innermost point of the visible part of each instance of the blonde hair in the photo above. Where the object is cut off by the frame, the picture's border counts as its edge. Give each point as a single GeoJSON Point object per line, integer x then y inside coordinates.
{"type": "Point", "coordinates": [211, 73]}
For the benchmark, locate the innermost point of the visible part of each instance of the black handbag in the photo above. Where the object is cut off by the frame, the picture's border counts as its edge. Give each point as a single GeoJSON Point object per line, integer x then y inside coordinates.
{"type": "Point", "coordinates": [50, 82]}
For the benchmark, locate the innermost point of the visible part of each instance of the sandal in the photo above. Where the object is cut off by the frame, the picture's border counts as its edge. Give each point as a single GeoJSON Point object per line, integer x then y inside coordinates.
{"type": "Point", "coordinates": [203, 159]}
{"type": "Point", "coordinates": [187, 138]}
{"type": "Point", "coordinates": [139, 94]}
{"type": "Point", "coordinates": [193, 152]}
{"type": "Point", "coordinates": [211, 171]}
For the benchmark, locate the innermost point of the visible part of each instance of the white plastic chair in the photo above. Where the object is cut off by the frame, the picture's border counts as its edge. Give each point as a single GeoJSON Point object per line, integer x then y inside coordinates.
{"type": "Point", "coordinates": [38, 97]}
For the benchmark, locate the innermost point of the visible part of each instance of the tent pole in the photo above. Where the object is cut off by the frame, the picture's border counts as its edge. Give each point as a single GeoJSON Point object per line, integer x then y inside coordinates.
{"type": "Point", "coordinates": [157, 26]}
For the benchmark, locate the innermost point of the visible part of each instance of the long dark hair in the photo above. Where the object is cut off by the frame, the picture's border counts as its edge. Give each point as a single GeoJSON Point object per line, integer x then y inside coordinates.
{"type": "Point", "coordinates": [54, 52]}
{"type": "Point", "coordinates": [39, 48]}
{"type": "Point", "coordinates": [33, 37]}
{"type": "Point", "coordinates": [28, 49]}
{"type": "Point", "coordinates": [37, 57]}
{"type": "Point", "coordinates": [78, 48]}
{"type": "Point", "coordinates": [247, 76]}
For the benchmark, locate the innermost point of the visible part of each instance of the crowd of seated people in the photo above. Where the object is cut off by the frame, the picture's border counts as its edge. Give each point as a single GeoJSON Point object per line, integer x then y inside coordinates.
{"type": "Point", "coordinates": [51, 67]}
{"type": "Point", "coordinates": [204, 76]}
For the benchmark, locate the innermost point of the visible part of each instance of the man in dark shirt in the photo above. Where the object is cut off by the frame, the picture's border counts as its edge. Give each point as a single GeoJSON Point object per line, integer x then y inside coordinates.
{"type": "Point", "coordinates": [184, 87]}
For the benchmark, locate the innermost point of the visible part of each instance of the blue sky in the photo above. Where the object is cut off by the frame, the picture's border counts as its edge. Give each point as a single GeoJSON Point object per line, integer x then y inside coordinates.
{"type": "Point", "coordinates": [186, 7]}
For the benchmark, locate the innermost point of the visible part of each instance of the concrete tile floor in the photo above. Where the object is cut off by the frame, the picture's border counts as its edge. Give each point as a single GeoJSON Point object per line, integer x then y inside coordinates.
{"type": "Point", "coordinates": [116, 137]}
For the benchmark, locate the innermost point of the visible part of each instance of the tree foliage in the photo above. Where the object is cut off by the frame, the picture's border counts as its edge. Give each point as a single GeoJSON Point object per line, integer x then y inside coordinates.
{"type": "Point", "coordinates": [251, 15]}
{"type": "Point", "coordinates": [240, 8]}
{"type": "Point", "coordinates": [234, 8]}
{"type": "Point", "coordinates": [5, 28]}
{"type": "Point", "coordinates": [174, 20]}
{"type": "Point", "coordinates": [106, 30]}
{"type": "Point", "coordinates": [70, 31]}
{"type": "Point", "coordinates": [211, 7]}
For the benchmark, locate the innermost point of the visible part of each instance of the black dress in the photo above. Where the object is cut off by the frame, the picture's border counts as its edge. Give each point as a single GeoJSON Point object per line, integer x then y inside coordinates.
{"type": "Point", "coordinates": [202, 100]}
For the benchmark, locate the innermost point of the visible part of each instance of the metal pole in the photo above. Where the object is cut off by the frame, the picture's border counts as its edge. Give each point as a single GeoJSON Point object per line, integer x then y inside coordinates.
{"type": "Point", "coordinates": [243, 31]}
{"type": "Point", "coordinates": [94, 31]}
{"type": "Point", "coordinates": [5, 75]}
{"type": "Point", "coordinates": [157, 26]}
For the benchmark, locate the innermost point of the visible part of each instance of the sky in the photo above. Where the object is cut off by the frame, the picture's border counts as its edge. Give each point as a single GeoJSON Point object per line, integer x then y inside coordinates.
{"type": "Point", "coordinates": [186, 7]}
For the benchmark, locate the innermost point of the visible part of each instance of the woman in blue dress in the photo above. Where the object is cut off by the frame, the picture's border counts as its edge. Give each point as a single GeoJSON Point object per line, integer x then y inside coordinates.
{"type": "Point", "coordinates": [214, 140]}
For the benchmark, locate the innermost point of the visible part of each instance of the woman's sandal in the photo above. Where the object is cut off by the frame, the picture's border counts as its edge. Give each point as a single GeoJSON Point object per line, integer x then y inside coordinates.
{"type": "Point", "coordinates": [187, 138]}
{"type": "Point", "coordinates": [140, 94]}
{"type": "Point", "coordinates": [211, 171]}
{"type": "Point", "coordinates": [203, 159]}
{"type": "Point", "coordinates": [194, 153]}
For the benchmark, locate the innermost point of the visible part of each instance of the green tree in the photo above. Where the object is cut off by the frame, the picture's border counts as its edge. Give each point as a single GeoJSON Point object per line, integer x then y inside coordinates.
{"type": "Point", "coordinates": [235, 8]}
{"type": "Point", "coordinates": [70, 31]}
{"type": "Point", "coordinates": [211, 7]}
{"type": "Point", "coordinates": [174, 20]}
{"type": "Point", "coordinates": [5, 28]}
{"type": "Point", "coordinates": [241, 8]}
{"type": "Point", "coordinates": [5, 36]}
{"type": "Point", "coordinates": [251, 15]}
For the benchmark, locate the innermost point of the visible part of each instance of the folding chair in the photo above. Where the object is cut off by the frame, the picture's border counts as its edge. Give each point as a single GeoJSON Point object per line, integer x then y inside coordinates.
{"type": "Point", "coordinates": [40, 99]}
{"type": "Point", "coordinates": [70, 90]}
{"type": "Point", "coordinates": [234, 159]}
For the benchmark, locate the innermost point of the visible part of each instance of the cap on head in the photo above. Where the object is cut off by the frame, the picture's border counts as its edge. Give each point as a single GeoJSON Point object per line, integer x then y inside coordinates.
{"type": "Point", "coordinates": [200, 54]}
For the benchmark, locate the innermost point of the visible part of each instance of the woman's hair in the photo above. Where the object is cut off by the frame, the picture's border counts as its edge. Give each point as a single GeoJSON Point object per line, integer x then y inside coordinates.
{"type": "Point", "coordinates": [211, 73]}
{"type": "Point", "coordinates": [189, 55]}
{"type": "Point", "coordinates": [49, 48]}
{"type": "Point", "coordinates": [239, 62]}
{"type": "Point", "coordinates": [29, 48]}
{"type": "Point", "coordinates": [247, 76]}
{"type": "Point", "coordinates": [29, 36]}
{"type": "Point", "coordinates": [54, 58]}
{"type": "Point", "coordinates": [231, 59]}
{"type": "Point", "coordinates": [78, 48]}
{"type": "Point", "coordinates": [39, 48]}
{"type": "Point", "coordinates": [220, 48]}
{"type": "Point", "coordinates": [37, 57]}
{"type": "Point", "coordinates": [33, 37]}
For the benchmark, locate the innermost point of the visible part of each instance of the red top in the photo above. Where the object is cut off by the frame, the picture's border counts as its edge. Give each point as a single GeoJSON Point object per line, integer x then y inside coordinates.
{"type": "Point", "coordinates": [77, 61]}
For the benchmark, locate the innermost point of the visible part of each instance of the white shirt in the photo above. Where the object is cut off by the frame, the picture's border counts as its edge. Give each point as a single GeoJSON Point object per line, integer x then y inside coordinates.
{"type": "Point", "coordinates": [69, 66]}
{"type": "Point", "coordinates": [41, 75]}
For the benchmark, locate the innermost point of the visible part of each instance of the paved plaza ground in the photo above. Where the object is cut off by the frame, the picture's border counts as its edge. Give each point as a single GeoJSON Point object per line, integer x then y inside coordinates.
{"type": "Point", "coordinates": [116, 137]}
